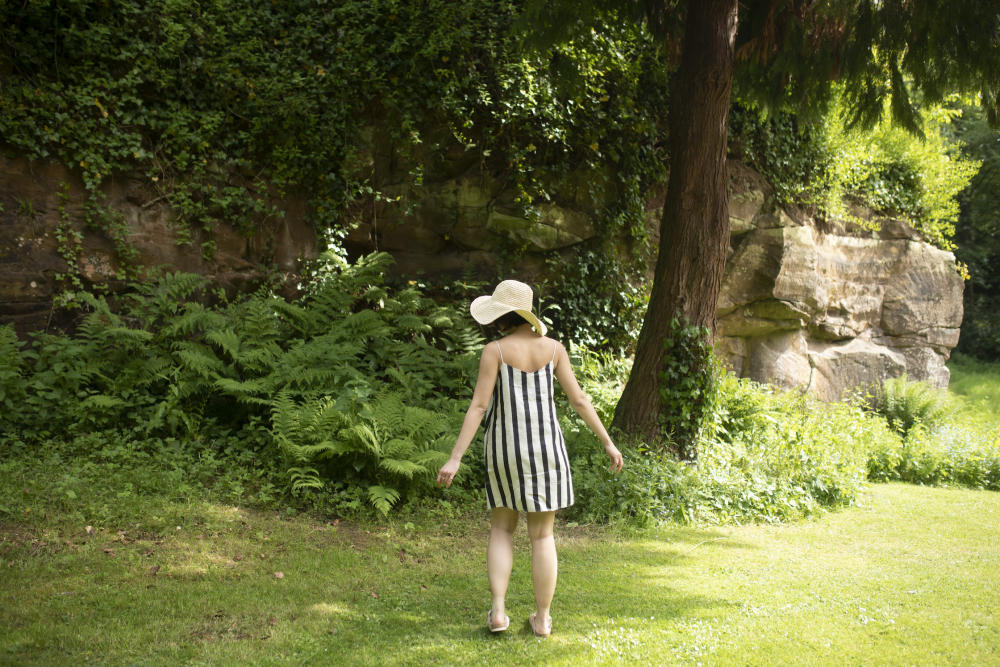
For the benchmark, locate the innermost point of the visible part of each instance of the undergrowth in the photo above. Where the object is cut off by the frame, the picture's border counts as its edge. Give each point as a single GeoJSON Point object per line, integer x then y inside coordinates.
{"type": "Point", "coordinates": [345, 402]}
{"type": "Point", "coordinates": [348, 392]}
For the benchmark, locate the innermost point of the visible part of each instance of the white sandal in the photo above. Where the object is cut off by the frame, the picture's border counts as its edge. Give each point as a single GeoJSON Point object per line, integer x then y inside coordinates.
{"type": "Point", "coordinates": [489, 623]}
{"type": "Point", "coordinates": [547, 625]}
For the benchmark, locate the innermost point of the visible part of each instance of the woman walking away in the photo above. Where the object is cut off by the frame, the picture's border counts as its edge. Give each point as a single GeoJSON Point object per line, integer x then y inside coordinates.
{"type": "Point", "coordinates": [527, 469]}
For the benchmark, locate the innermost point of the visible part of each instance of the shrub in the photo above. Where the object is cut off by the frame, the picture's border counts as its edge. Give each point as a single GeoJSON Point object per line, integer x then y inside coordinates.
{"type": "Point", "coordinates": [318, 382]}
{"type": "Point", "coordinates": [762, 456]}
{"type": "Point", "coordinates": [905, 403]}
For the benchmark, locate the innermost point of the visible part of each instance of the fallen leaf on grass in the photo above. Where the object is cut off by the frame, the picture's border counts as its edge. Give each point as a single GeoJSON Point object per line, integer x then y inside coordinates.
{"type": "Point", "coordinates": [110, 552]}
{"type": "Point", "coordinates": [154, 569]}
{"type": "Point", "coordinates": [279, 575]}
{"type": "Point", "coordinates": [90, 530]}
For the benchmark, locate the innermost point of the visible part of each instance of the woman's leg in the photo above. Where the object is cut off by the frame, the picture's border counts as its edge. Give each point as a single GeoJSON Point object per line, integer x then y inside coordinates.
{"type": "Point", "coordinates": [543, 560]}
{"type": "Point", "coordinates": [500, 557]}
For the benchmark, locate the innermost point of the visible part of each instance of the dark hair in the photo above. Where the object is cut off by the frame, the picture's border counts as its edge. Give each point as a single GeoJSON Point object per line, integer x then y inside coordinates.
{"type": "Point", "coordinates": [509, 320]}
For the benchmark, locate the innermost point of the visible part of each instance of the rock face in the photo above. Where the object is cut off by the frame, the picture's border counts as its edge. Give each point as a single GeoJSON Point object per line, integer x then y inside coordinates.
{"type": "Point", "coordinates": [460, 221]}
{"type": "Point", "coordinates": [830, 308]}
{"type": "Point", "coordinates": [41, 201]}
{"type": "Point", "coordinates": [821, 307]}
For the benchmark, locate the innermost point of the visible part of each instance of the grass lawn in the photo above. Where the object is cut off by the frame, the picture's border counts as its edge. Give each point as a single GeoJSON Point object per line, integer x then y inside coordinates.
{"type": "Point", "coordinates": [909, 577]}
{"type": "Point", "coordinates": [977, 384]}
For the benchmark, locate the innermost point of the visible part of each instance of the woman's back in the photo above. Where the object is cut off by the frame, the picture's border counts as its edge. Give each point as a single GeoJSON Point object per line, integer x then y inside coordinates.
{"type": "Point", "coordinates": [527, 351]}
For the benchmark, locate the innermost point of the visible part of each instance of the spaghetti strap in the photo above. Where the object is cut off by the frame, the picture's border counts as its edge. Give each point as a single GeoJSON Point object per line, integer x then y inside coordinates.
{"type": "Point", "coordinates": [553, 352]}
{"type": "Point", "coordinates": [501, 352]}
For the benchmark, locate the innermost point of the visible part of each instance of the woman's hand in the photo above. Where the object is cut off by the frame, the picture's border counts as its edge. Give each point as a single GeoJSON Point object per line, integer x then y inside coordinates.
{"type": "Point", "coordinates": [617, 461]}
{"type": "Point", "coordinates": [448, 472]}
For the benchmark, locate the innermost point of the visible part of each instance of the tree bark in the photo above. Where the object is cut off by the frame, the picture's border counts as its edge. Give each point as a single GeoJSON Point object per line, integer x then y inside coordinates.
{"type": "Point", "coordinates": [694, 229]}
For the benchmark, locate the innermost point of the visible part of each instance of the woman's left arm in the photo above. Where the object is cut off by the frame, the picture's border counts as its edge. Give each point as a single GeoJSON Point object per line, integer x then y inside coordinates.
{"type": "Point", "coordinates": [489, 364]}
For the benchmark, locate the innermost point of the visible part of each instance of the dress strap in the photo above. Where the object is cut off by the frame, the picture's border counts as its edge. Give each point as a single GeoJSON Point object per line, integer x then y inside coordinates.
{"type": "Point", "coordinates": [501, 351]}
{"type": "Point", "coordinates": [553, 352]}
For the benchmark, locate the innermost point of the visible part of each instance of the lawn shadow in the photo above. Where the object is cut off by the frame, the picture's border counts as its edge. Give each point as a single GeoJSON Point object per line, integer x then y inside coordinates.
{"type": "Point", "coordinates": [604, 583]}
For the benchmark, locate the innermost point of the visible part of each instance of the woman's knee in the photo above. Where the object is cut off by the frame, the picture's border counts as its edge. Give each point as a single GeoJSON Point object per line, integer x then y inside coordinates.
{"type": "Point", "coordinates": [504, 519]}
{"type": "Point", "coordinates": [540, 525]}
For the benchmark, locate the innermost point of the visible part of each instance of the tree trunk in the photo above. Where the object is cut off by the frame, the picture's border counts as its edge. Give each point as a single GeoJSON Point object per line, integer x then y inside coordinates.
{"type": "Point", "coordinates": [694, 229]}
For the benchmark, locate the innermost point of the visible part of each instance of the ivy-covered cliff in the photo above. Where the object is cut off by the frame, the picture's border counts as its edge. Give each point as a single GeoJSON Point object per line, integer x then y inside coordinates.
{"type": "Point", "coordinates": [235, 140]}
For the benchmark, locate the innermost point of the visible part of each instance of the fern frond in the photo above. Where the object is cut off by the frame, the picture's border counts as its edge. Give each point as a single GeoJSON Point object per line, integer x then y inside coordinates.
{"type": "Point", "coordinates": [411, 322]}
{"type": "Point", "coordinates": [227, 340]}
{"type": "Point", "coordinates": [305, 478]}
{"type": "Point", "coordinates": [382, 498]}
{"type": "Point", "coordinates": [199, 359]}
{"type": "Point", "coordinates": [246, 390]}
{"type": "Point", "coordinates": [364, 435]}
{"type": "Point", "coordinates": [324, 450]}
{"type": "Point", "coordinates": [127, 336]}
{"type": "Point", "coordinates": [431, 459]}
{"type": "Point", "coordinates": [194, 318]}
{"type": "Point", "coordinates": [101, 402]}
{"type": "Point", "coordinates": [401, 467]}
{"type": "Point", "coordinates": [396, 447]}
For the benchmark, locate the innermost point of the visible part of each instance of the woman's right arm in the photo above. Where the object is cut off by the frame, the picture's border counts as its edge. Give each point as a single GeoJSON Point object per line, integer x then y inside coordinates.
{"type": "Point", "coordinates": [489, 363]}
{"type": "Point", "coordinates": [583, 407]}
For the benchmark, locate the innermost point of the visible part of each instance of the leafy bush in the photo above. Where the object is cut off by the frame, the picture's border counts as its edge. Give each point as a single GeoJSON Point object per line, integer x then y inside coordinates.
{"type": "Point", "coordinates": [320, 378]}
{"type": "Point", "coordinates": [905, 403]}
{"type": "Point", "coordinates": [949, 454]}
{"type": "Point", "coordinates": [824, 164]}
{"type": "Point", "coordinates": [388, 444]}
{"type": "Point", "coordinates": [762, 456]}
{"type": "Point", "coordinates": [962, 446]}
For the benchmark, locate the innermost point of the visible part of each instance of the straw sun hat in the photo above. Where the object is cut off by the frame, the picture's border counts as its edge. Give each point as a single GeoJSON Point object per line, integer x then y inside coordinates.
{"type": "Point", "coordinates": [509, 296]}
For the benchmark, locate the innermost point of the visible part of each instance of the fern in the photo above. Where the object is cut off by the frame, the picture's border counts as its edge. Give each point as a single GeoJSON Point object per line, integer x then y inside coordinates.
{"type": "Point", "coordinates": [101, 402]}
{"type": "Point", "coordinates": [905, 403]}
{"type": "Point", "coordinates": [12, 382]}
{"type": "Point", "coordinates": [248, 391]}
{"type": "Point", "coordinates": [200, 360]}
{"type": "Point", "coordinates": [304, 478]}
{"type": "Point", "coordinates": [227, 341]}
{"type": "Point", "coordinates": [382, 498]}
{"type": "Point", "coordinates": [194, 318]}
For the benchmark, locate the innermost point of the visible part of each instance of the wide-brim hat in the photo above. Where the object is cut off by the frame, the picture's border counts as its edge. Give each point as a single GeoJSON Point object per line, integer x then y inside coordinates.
{"type": "Point", "coordinates": [510, 296]}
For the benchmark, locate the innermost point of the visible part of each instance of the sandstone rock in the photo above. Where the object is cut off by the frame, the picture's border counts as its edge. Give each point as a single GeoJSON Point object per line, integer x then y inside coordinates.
{"type": "Point", "coordinates": [33, 210]}
{"type": "Point", "coordinates": [820, 305]}
{"type": "Point", "coordinates": [866, 305]}
{"type": "Point", "coordinates": [782, 358]}
{"type": "Point", "coordinates": [859, 363]}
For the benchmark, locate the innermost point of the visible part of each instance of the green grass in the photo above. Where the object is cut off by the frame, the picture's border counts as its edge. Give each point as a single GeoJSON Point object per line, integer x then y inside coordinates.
{"type": "Point", "coordinates": [976, 384]}
{"type": "Point", "coordinates": [907, 577]}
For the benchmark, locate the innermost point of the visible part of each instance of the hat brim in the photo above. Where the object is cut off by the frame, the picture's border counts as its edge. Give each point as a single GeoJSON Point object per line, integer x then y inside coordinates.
{"type": "Point", "coordinates": [485, 310]}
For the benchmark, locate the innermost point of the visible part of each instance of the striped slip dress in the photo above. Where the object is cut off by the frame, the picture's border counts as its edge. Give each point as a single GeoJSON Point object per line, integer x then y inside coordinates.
{"type": "Point", "coordinates": [526, 464]}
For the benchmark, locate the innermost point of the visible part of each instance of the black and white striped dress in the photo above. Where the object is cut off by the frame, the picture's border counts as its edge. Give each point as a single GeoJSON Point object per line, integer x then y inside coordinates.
{"type": "Point", "coordinates": [526, 464]}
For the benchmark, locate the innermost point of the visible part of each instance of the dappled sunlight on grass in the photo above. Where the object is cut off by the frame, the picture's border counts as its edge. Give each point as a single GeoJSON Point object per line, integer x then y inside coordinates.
{"type": "Point", "coordinates": [330, 609]}
{"type": "Point", "coordinates": [907, 577]}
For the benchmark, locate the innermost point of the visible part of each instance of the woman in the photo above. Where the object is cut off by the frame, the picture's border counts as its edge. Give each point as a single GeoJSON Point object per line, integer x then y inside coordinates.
{"type": "Point", "coordinates": [526, 465]}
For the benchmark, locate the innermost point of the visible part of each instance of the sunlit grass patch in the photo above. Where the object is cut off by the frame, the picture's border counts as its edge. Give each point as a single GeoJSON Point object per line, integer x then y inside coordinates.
{"type": "Point", "coordinates": [906, 577]}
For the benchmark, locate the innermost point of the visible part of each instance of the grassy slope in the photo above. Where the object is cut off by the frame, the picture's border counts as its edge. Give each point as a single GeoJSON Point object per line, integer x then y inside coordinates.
{"type": "Point", "coordinates": [977, 383]}
{"type": "Point", "coordinates": [908, 577]}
